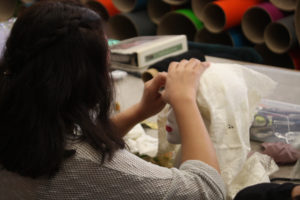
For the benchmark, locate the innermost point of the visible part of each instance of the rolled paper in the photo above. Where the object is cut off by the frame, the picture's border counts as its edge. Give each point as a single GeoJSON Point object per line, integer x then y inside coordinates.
{"type": "Point", "coordinates": [7, 9]}
{"type": "Point", "coordinates": [176, 2]}
{"type": "Point", "coordinates": [280, 36]}
{"type": "Point", "coordinates": [198, 7]}
{"type": "Point", "coordinates": [182, 21]}
{"type": "Point", "coordinates": [149, 74]}
{"type": "Point", "coordinates": [221, 15]}
{"type": "Point", "coordinates": [127, 25]}
{"type": "Point", "coordinates": [286, 5]}
{"type": "Point", "coordinates": [157, 9]}
{"type": "Point", "coordinates": [274, 59]}
{"type": "Point", "coordinates": [231, 37]}
{"type": "Point", "coordinates": [130, 5]}
{"type": "Point", "coordinates": [297, 21]}
{"type": "Point", "coordinates": [256, 20]}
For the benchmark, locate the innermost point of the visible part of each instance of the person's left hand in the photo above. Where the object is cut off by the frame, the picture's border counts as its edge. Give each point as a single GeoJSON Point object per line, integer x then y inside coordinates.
{"type": "Point", "coordinates": [152, 101]}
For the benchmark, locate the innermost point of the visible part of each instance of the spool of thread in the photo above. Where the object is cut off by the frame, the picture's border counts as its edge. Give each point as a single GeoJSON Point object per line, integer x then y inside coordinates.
{"type": "Point", "coordinates": [297, 21]}
{"type": "Point", "coordinates": [182, 21]}
{"type": "Point", "coordinates": [127, 25]}
{"type": "Point", "coordinates": [176, 2]}
{"type": "Point", "coordinates": [7, 9]}
{"type": "Point", "coordinates": [286, 5]}
{"type": "Point", "coordinates": [231, 37]}
{"type": "Point", "coordinates": [221, 15]}
{"type": "Point", "coordinates": [198, 7]}
{"type": "Point", "coordinates": [130, 5]}
{"type": "Point", "coordinates": [274, 59]}
{"type": "Point", "coordinates": [280, 36]}
{"type": "Point", "coordinates": [157, 9]}
{"type": "Point", "coordinates": [256, 20]}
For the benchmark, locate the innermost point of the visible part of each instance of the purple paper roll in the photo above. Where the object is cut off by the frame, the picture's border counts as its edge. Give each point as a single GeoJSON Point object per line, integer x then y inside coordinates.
{"type": "Point", "coordinates": [256, 19]}
{"type": "Point", "coordinates": [273, 11]}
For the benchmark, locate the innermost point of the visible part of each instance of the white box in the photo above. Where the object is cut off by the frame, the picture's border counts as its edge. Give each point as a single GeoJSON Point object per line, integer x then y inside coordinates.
{"type": "Point", "coordinates": [146, 50]}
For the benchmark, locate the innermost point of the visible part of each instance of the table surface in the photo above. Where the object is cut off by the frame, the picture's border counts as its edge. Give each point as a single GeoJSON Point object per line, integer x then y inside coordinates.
{"type": "Point", "coordinates": [129, 91]}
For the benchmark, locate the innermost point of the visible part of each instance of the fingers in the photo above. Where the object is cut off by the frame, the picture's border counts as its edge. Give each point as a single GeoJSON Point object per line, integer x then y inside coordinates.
{"type": "Point", "coordinates": [158, 81]}
{"type": "Point", "coordinates": [172, 66]}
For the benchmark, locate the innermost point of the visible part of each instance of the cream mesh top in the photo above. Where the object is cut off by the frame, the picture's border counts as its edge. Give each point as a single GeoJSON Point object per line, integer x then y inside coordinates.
{"type": "Point", "coordinates": [125, 177]}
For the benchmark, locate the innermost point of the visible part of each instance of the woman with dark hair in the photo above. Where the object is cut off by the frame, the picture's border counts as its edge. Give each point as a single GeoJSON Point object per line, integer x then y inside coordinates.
{"type": "Point", "coordinates": [58, 139]}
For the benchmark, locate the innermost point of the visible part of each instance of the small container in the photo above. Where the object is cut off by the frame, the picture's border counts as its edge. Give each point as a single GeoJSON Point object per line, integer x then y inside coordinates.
{"type": "Point", "coordinates": [276, 121]}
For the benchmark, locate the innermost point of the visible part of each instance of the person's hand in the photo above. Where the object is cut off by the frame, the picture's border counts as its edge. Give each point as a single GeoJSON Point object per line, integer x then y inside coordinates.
{"type": "Point", "coordinates": [296, 192]}
{"type": "Point", "coordinates": [182, 80]}
{"type": "Point", "coordinates": [152, 101]}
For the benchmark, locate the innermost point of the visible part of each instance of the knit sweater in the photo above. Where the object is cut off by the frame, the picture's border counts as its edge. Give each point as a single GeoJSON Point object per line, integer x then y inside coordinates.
{"type": "Point", "coordinates": [126, 176]}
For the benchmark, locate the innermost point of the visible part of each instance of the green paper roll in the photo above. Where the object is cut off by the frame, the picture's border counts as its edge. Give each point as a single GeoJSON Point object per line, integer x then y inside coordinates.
{"type": "Point", "coordinates": [190, 14]}
{"type": "Point", "coordinates": [182, 21]}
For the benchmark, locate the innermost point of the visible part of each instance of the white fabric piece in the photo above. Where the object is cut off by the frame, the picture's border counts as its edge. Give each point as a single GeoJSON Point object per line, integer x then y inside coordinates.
{"type": "Point", "coordinates": [257, 169]}
{"type": "Point", "coordinates": [139, 142]}
{"type": "Point", "coordinates": [227, 98]}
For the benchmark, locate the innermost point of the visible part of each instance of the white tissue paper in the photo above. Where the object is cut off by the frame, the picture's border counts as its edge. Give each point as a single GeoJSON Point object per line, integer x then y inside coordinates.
{"type": "Point", "coordinates": [227, 98]}
{"type": "Point", "coordinates": [139, 142]}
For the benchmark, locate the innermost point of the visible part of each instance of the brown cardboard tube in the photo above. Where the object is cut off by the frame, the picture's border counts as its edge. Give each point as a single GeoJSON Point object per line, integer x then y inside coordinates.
{"type": "Point", "coordinates": [280, 36]}
{"type": "Point", "coordinates": [7, 9]}
{"type": "Point", "coordinates": [257, 18]}
{"type": "Point", "coordinates": [176, 2]}
{"type": "Point", "coordinates": [214, 18]}
{"type": "Point", "coordinates": [205, 36]}
{"type": "Point", "coordinates": [127, 25]}
{"type": "Point", "coordinates": [177, 22]}
{"type": "Point", "coordinates": [157, 9]}
{"type": "Point", "coordinates": [124, 5]}
{"type": "Point", "coordinates": [198, 7]}
{"type": "Point", "coordinates": [254, 23]}
{"type": "Point", "coordinates": [149, 74]}
{"type": "Point", "coordinates": [286, 5]}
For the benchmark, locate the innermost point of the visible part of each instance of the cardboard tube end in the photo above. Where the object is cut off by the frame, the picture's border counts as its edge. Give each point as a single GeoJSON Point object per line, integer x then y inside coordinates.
{"type": "Point", "coordinates": [214, 18]}
{"type": "Point", "coordinates": [149, 74]}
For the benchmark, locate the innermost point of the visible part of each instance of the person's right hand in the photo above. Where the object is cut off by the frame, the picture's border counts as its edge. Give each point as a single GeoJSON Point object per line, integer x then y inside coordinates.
{"type": "Point", "coordinates": [182, 80]}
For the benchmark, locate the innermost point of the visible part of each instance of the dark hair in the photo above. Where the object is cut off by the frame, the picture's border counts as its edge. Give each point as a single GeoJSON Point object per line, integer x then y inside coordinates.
{"type": "Point", "coordinates": [53, 77]}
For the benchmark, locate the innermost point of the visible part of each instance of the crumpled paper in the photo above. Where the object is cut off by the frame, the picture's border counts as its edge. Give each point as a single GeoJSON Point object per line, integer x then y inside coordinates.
{"type": "Point", "coordinates": [139, 142]}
